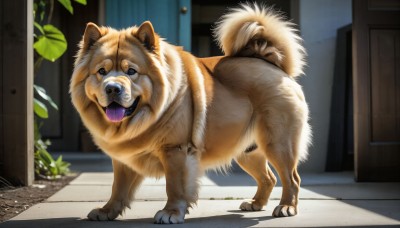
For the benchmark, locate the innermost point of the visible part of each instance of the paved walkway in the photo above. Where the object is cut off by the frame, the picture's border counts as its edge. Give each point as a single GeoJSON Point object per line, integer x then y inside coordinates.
{"type": "Point", "coordinates": [326, 200]}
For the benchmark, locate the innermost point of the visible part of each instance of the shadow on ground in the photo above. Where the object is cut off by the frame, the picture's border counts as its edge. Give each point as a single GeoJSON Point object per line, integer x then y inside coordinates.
{"type": "Point", "coordinates": [230, 220]}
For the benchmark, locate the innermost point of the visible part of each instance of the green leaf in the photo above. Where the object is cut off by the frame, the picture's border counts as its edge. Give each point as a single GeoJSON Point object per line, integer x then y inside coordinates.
{"type": "Point", "coordinates": [40, 109]}
{"type": "Point", "coordinates": [52, 44]}
{"type": "Point", "coordinates": [44, 159]}
{"type": "Point", "coordinates": [39, 27]}
{"type": "Point", "coordinates": [42, 93]}
{"type": "Point", "coordinates": [53, 168]}
{"type": "Point", "coordinates": [67, 4]}
{"type": "Point", "coordinates": [83, 2]}
{"type": "Point", "coordinates": [42, 6]}
{"type": "Point", "coordinates": [59, 160]}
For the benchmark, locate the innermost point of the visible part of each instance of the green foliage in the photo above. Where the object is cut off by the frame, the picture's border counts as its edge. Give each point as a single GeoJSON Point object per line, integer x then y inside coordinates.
{"type": "Point", "coordinates": [45, 166]}
{"type": "Point", "coordinates": [50, 44]}
{"type": "Point", "coordinates": [83, 2]}
{"type": "Point", "coordinates": [40, 109]}
{"type": "Point", "coordinates": [67, 4]}
{"type": "Point", "coordinates": [42, 93]}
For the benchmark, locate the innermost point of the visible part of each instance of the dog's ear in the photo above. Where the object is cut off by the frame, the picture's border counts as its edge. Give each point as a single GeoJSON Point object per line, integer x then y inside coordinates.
{"type": "Point", "coordinates": [91, 35]}
{"type": "Point", "coordinates": [146, 35]}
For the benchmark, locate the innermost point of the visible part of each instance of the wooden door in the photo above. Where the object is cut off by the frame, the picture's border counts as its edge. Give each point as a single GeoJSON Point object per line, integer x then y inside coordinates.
{"type": "Point", "coordinates": [170, 18]}
{"type": "Point", "coordinates": [376, 77]}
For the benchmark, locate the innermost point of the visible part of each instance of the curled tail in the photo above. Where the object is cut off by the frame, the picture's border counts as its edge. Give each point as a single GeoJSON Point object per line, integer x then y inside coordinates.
{"type": "Point", "coordinates": [255, 31]}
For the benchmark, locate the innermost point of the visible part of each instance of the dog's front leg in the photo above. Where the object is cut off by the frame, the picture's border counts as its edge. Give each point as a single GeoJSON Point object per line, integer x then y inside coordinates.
{"type": "Point", "coordinates": [126, 181]}
{"type": "Point", "coordinates": [181, 173]}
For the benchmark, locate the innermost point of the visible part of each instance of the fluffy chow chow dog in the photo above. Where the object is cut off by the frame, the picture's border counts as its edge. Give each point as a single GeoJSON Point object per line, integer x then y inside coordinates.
{"type": "Point", "coordinates": [157, 110]}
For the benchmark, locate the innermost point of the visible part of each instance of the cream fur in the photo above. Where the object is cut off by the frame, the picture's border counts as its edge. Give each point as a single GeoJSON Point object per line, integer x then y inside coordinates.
{"type": "Point", "coordinates": [243, 25]}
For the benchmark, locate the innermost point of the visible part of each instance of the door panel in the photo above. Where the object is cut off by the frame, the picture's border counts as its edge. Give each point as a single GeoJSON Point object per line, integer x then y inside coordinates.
{"type": "Point", "coordinates": [168, 18]}
{"type": "Point", "coordinates": [385, 91]}
{"type": "Point", "coordinates": [376, 78]}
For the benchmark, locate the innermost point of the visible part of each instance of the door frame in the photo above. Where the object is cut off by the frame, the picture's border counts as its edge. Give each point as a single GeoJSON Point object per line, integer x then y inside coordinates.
{"type": "Point", "coordinates": [16, 90]}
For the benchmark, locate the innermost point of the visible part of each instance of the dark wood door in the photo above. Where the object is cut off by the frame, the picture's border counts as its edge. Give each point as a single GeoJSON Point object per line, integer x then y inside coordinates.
{"type": "Point", "coordinates": [376, 78]}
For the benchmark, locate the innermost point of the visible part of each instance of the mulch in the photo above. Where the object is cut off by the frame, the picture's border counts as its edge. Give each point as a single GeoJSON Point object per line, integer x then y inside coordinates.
{"type": "Point", "coordinates": [15, 200]}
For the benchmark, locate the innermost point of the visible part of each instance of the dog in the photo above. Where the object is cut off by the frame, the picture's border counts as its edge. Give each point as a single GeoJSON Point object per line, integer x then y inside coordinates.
{"type": "Point", "coordinates": [157, 110]}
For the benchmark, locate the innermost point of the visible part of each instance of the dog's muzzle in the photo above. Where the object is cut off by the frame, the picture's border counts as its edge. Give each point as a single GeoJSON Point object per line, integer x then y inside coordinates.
{"type": "Point", "coordinates": [115, 111]}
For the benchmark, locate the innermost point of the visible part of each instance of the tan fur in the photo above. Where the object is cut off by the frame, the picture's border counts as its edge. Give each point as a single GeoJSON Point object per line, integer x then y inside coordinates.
{"type": "Point", "coordinates": [192, 114]}
{"type": "Point", "coordinates": [261, 32]}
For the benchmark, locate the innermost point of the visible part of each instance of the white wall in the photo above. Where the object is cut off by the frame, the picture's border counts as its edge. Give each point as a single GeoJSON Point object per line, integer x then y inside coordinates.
{"type": "Point", "coordinates": [319, 20]}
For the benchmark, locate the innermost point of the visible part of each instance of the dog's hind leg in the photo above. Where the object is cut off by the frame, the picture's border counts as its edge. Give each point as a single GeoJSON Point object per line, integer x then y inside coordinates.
{"type": "Point", "coordinates": [255, 164]}
{"type": "Point", "coordinates": [282, 156]}
{"type": "Point", "coordinates": [126, 181]}
{"type": "Point", "coordinates": [287, 170]}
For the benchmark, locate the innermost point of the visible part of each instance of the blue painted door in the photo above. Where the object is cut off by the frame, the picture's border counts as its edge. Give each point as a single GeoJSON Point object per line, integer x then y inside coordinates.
{"type": "Point", "coordinates": [171, 18]}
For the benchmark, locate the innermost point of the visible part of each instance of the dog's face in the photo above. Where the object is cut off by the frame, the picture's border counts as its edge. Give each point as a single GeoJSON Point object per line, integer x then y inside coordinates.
{"type": "Point", "coordinates": [122, 78]}
{"type": "Point", "coordinates": [123, 74]}
{"type": "Point", "coordinates": [118, 83]}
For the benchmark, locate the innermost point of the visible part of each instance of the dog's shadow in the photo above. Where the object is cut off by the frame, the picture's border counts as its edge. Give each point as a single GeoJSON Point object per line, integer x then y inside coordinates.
{"type": "Point", "coordinates": [234, 219]}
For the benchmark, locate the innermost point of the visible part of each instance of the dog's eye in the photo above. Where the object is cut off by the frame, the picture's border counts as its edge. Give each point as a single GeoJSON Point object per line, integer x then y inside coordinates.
{"type": "Point", "coordinates": [131, 71]}
{"type": "Point", "coordinates": [102, 71]}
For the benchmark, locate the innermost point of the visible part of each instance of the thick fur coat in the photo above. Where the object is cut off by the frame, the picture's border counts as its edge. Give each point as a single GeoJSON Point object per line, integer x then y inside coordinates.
{"type": "Point", "coordinates": [157, 110]}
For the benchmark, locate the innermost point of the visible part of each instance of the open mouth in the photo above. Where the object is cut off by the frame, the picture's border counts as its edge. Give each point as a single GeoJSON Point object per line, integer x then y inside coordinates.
{"type": "Point", "coordinates": [116, 112]}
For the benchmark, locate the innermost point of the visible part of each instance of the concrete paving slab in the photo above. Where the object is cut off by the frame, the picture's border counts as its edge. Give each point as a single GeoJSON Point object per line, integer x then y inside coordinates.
{"type": "Point", "coordinates": [374, 191]}
{"type": "Point", "coordinates": [103, 193]}
{"type": "Point", "coordinates": [219, 213]}
{"type": "Point", "coordinates": [93, 178]}
{"type": "Point", "coordinates": [243, 179]}
{"type": "Point", "coordinates": [220, 179]}
{"type": "Point", "coordinates": [330, 178]}
{"type": "Point", "coordinates": [76, 193]}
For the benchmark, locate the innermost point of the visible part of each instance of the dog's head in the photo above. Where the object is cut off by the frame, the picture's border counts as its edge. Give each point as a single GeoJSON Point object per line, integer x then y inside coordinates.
{"type": "Point", "coordinates": [120, 76]}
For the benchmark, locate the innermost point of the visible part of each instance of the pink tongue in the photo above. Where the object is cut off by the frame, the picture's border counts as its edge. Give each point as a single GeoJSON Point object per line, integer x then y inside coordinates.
{"type": "Point", "coordinates": [115, 112]}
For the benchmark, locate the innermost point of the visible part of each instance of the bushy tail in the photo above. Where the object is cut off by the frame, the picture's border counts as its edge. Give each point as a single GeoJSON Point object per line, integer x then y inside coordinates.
{"type": "Point", "coordinates": [260, 32]}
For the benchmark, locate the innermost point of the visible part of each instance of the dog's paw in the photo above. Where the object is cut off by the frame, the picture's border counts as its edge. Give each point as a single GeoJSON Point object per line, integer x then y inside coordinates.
{"type": "Point", "coordinates": [102, 214]}
{"type": "Point", "coordinates": [250, 206]}
{"type": "Point", "coordinates": [169, 217]}
{"type": "Point", "coordinates": [284, 211]}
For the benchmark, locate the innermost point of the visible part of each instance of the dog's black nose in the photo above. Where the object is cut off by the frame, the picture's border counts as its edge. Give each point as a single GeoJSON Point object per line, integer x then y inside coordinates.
{"type": "Point", "coordinates": [113, 89]}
